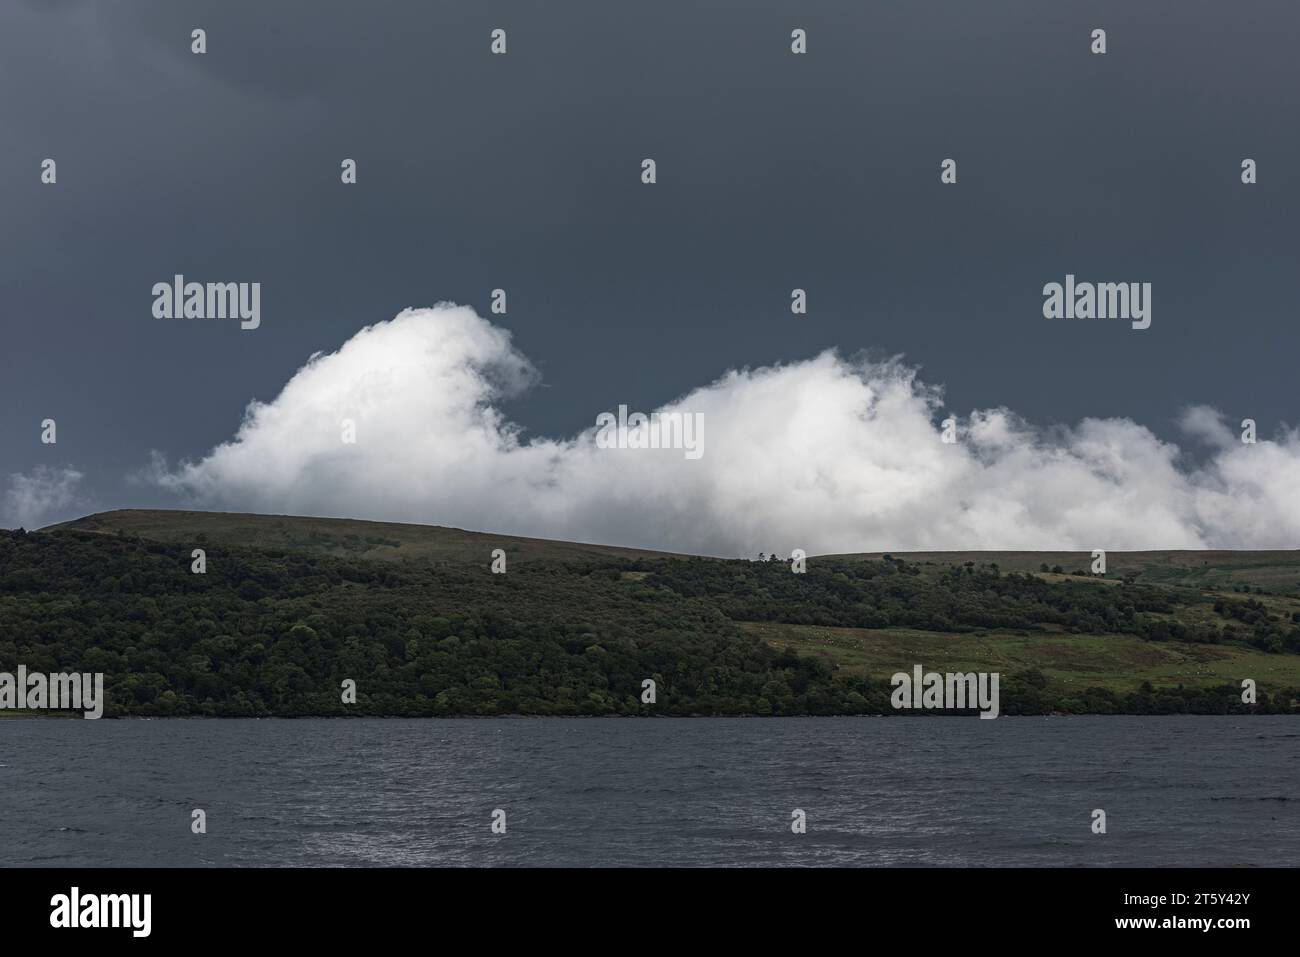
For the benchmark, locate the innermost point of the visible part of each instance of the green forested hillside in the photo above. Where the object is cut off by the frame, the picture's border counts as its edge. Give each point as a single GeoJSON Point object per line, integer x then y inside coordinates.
{"type": "Point", "coordinates": [276, 630]}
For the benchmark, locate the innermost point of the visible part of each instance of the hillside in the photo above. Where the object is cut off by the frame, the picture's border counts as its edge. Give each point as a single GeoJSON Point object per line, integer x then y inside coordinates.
{"type": "Point", "coordinates": [339, 537]}
{"type": "Point", "coordinates": [290, 607]}
{"type": "Point", "coordinates": [1277, 572]}
{"type": "Point", "coordinates": [1274, 571]}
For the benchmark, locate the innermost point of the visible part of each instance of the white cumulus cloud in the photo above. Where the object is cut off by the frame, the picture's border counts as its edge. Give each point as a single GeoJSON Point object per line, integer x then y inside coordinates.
{"type": "Point", "coordinates": [41, 497]}
{"type": "Point", "coordinates": [829, 454]}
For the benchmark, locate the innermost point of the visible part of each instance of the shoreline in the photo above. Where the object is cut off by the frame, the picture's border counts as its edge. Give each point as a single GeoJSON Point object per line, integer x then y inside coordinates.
{"type": "Point", "coordinates": [612, 717]}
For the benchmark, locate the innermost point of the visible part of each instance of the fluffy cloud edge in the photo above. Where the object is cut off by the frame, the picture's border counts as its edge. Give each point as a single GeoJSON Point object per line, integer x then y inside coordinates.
{"type": "Point", "coordinates": [828, 454]}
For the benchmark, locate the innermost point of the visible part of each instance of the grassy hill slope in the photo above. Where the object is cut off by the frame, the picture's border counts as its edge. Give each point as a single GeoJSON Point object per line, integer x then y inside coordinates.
{"type": "Point", "coordinates": [1274, 571]}
{"type": "Point", "coordinates": [339, 537]}
{"type": "Point", "coordinates": [1277, 572]}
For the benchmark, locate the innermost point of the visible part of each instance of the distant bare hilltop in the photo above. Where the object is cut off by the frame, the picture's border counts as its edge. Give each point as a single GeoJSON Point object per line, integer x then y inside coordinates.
{"type": "Point", "coordinates": [340, 537]}
{"type": "Point", "coordinates": [1274, 571]}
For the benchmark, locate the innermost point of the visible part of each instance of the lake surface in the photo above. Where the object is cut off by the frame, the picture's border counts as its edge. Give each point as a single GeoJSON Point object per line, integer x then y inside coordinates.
{"type": "Point", "coordinates": [1179, 791]}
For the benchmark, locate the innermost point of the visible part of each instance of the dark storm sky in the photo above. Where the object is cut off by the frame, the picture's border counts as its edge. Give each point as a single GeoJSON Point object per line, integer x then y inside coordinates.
{"type": "Point", "coordinates": [522, 171]}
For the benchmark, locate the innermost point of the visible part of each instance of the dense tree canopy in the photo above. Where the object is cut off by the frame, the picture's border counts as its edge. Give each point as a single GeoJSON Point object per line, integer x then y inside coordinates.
{"type": "Point", "coordinates": [277, 632]}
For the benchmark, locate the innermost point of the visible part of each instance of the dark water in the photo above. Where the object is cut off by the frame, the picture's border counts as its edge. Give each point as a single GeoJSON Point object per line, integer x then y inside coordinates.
{"type": "Point", "coordinates": [877, 791]}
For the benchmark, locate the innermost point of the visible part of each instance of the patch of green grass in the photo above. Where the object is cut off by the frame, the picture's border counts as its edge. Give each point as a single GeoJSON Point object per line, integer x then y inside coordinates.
{"type": "Point", "coordinates": [1071, 662]}
{"type": "Point", "coordinates": [1274, 571]}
